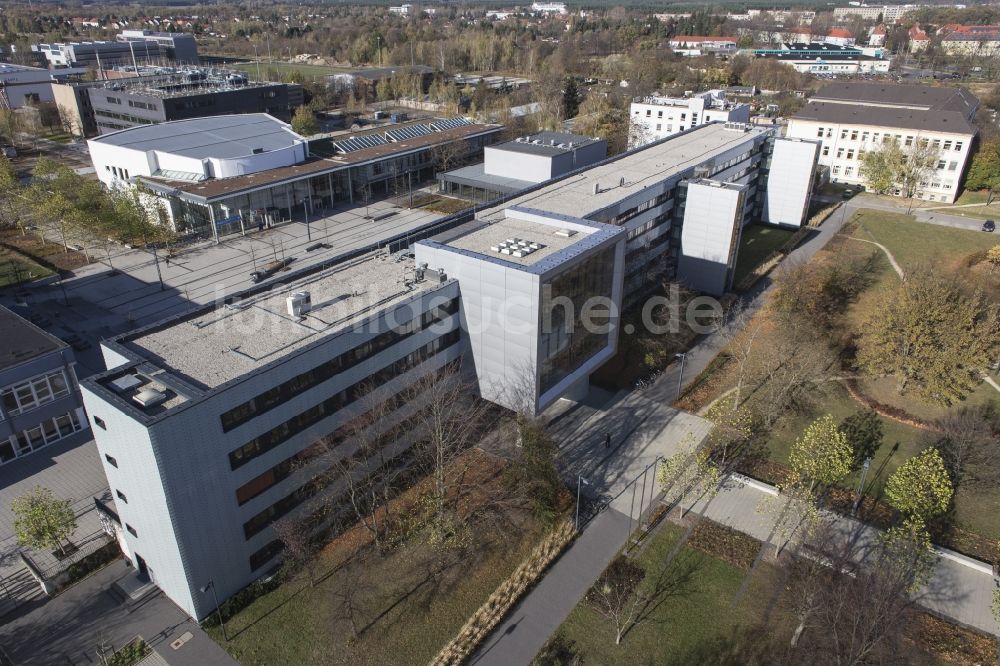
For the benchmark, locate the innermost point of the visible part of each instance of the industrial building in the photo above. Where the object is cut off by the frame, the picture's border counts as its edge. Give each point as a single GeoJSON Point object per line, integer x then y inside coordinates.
{"type": "Point", "coordinates": [656, 117]}
{"type": "Point", "coordinates": [823, 58]}
{"type": "Point", "coordinates": [851, 118]}
{"type": "Point", "coordinates": [516, 165]}
{"type": "Point", "coordinates": [21, 85]}
{"type": "Point", "coordinates": [99, 55]}
{"type": "Point", "coordinates": [216, 423]}
{"type": "Point", "coordinates": [223, 174]}
{"type": "Point", "coordinates": [180, 47]}
{"type": "Point", "coordinates": [40, 399]}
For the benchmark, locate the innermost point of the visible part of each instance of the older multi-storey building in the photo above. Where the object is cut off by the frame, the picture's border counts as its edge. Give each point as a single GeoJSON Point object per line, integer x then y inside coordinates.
{"type": "Point", "coordinates": [655, 117]}
{"type": "Point", "coordinates": [852, 118]}
{"type": "Point", "coordinates": [39, 396]}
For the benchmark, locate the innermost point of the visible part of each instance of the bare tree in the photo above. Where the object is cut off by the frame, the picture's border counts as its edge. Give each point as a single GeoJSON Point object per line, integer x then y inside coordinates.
{"type": "Point", "coordinates": [616, 595]}
{"type": "Point", "coordinates": [969, 442]}
{"type": "Point", "coordinates": [300, 547]}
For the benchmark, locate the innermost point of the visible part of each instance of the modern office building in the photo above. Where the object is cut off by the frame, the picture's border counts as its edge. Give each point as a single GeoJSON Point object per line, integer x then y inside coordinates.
{"type": "Point", "coordinates": [655, 117]}
{"type": "Point", "coordinates": [21, 86]}
{"type": "Point", "coordinates": [823, 58]}
{"type": "Point", "coordinates": [216, 423]}
{"type": "Point", "coordinates": [190, 93]}
{"type": "Point", "coordinates": [222, 174]}
{"type": "Point", "coordinates": [208, 423]}
{"type": "Point", "coordinates": [99, 55]}
{"type": "Point", "coordinates": [851, 118]}
{"type": "Point", "coordinates": [180, 47]}
{"type": "Point", "coordinates": [646, 190]}
{"type": "Point", "coordinates": [39, 396]}
{"type": "Point", "coordinates": [516, 165]}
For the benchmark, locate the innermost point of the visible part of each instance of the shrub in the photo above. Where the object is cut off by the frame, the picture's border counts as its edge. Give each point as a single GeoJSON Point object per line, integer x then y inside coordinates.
{"type": "Point", "coordinates": [130, 654]}
{"type": "Point", "coordinates": [727, 544]}
{"type": "Point", "coordinates": [104, 555]}
{"type": "Point", "coordinates": [242, 599]}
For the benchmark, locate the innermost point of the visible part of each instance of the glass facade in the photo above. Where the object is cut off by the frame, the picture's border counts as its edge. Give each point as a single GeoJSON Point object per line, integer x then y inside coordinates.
{"type": "Point", "coordinates": [565, 342]}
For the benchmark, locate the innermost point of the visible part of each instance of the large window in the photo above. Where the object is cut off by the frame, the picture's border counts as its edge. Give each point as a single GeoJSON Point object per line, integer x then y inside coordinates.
{"type": "Point", "coordinates": [280, 434]}
{"type": "Point", "coordinates": [35, 392]}
{"type": "Point", "coordinates": [32, 439]}
{"type": "Point", "coordinates": [287, 390]}
{"type": "Point", "coordinates": [565, 342]}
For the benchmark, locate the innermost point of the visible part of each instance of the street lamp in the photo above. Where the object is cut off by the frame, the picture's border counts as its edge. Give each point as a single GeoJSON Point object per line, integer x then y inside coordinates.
{"type": "Point", "coordinates": [305, 209]}
{"type": "Point", "coordinates": [218, 608]}
{"type": "Point", "coordinates": [861, 484]}
{"type": "Point", "coordinates": [680, 375]}
{"type": "Point", "coordinates": [580, 481]}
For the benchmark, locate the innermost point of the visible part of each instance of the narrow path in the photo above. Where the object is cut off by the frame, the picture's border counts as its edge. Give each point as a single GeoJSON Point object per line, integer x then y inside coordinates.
{"type": "Point", "coordinates": [989, 380]}
{"type": "Point", "coordinates": [892, 260]}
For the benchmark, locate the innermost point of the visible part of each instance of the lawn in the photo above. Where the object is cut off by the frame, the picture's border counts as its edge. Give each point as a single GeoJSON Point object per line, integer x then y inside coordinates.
{"type": "Point", "coordinates": [991, 212]}
{"type": "Point", "coordinates": [971, 197]}
{"type": "Point", "coordinates": [757, 243]}
{"type": "Point", "coordinates": [400, 607]}
{"type": "Point", "coordinates": [696, 615]}
{"type": "Point", "coordinates": [16, 268]}
{"type": "Point", "coordinates": [913, 243]}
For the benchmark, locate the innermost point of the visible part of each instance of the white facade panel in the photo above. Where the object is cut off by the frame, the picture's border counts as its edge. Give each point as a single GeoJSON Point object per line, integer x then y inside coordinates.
{"type": "Point", "coordinates": [710, 235]}
{"type": "Point", "coordinates": [790, 182]}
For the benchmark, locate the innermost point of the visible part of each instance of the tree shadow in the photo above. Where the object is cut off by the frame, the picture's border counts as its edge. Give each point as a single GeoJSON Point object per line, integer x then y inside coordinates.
{"type": "Point", "coordinates": [742, 646]}
{"type": "Point", "coordinates": [674, 580]}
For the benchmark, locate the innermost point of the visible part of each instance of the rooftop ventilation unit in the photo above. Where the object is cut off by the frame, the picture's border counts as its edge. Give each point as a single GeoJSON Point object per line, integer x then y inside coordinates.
{"type": "Point", "coordinates": [516, 247]}
{"type": "Point", "coordinates": [147, 398]}
{"type": "Point", "coordinates": [126, 382]}
{"type": "Point", "coordinates": [299, 304]}
{"type": "Point", "coordinates": [565, 233]}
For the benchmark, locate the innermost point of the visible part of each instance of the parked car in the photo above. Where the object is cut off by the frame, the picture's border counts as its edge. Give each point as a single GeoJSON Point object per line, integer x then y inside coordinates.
{"type": "Point", "coordinates": [989, 225]}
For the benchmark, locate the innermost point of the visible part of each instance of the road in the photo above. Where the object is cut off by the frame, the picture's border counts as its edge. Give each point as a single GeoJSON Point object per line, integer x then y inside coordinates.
{"type": "Point", "coordinates": [926, 215]}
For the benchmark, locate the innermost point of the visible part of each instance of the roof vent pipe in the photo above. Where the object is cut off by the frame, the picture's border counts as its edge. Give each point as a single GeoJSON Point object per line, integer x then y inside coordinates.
{"type": "Point", "coordinates": [597, 188]}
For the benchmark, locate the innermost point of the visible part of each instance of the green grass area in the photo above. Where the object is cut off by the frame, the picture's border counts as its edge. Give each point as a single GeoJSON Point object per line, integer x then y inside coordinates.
{"type": "Point", "coordinates": [991, 212]}
{"type": "Point", "coordinates": [913, 243]}
{"type": "Point", "coordinates": [971, 197]}
{"type": "Point", "coordinates": [695, 618]}
{"type": "Point", "coordinates": [283, 69]}
{"type": "Point", "coordinates": [756, 244]}
{"type": "Point", "coordinates": [406, 606]}
{"type": "Point", "coordinates": [15, 269]}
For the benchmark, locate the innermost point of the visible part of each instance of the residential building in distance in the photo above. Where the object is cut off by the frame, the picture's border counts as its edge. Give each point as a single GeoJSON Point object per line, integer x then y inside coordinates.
{"type": "Point", "coordinates": [696, 45]}
{"type": "Point", "coordinates": [40, 399]}
{"type": "Point", "coordinates": [655, 117]}
{"type": "Point", "coordinates": [852, 118]}
{"type": "Point", "coordinates": [877, 35]}
{"type": "Point", "coordinates": [820, 58]}
{"type": "Point", "coordinates": [519, 164]}
{"type": "Point", "coordinates": [885, 13]}
{"type": "Point", "coordinates": [548, 7]}
{"type": "Point", "coordinates": [21, 85]}
{"type": "Point", "coordinates": [99, 55]}
{"type": "Point", "coordinates": [919, 40]}
{"type": "Point", "coordinates": [179, 47]}
{"type": "Point", "coordinates": [971, 40]}
{"type": "Point", "coordinates": [221, 174]}
{"type": "Point", "coordinates": [215, 423]}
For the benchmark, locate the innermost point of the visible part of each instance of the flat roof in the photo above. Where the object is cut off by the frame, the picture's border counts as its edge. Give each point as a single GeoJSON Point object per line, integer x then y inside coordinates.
{"type": "Point", "coordinates": [885, 116]}
{"type": "Point", "coordinates": [640, 168]}
{"type": "Point", "coordinates": [475, 175]}
{"type": "Point", "coordinates": [899, 95]}
{"type": "Point", "coordinates": [221, 137]}
{"type": "Point", "coordinates": [22, 340]}
{"type": "Point", "coordinates": [483, 239]}
{"type": "Point", "coordinates": [211, 347]}
{"type": "Point", "coordinates": [546, 143]}
{"type": "Point", "coordinates": [6, 67]}
{"type": "Point", "coordinates": [221, 187]}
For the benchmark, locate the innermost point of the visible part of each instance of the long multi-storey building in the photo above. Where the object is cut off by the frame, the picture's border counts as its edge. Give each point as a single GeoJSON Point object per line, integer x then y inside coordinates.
{"type": "Point", "coordinates": [99, 55]}
{"type": "Point", "coordinates": [654, 118]}
{"type": "Point", "coordinates": [216, 423]}
{"type": "Point", "coordinates": [40, 400]}
{"type": "Point", "coordinates": [180, 47]}
{"type": "Point", "coordinates": [852, 118]}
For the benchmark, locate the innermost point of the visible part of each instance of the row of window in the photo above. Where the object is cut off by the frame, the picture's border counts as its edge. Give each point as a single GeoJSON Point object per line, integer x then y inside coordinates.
{"type": "Point", "coordinates": [118, 172]}
{"type": "Point", "coordinates": [312, 487]}
{"type": "Point", "coordinates": [275, 436]}
{"type": "Point", "coordinates": [32, 439]}
{"type": "Point", "coordinates": [287, 390]}
{"type": "Point", "coordinates": [149, 106]}
{"type": "Point", "coordinates": [878, 137]}
{"type": "Point", "coordinates": [35, 392]}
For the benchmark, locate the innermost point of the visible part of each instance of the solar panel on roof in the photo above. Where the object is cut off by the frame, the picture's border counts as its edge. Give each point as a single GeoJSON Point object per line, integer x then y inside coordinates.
{"type": "Point", "coordinates": [359, 143]}
{"type": "Point", "coordinates": [408, 132]}
{"type": "Point", "coordinates": [442, 124]}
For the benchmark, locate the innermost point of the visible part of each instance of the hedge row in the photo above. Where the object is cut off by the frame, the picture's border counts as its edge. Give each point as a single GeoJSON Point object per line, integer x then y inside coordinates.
{"type": "Point", "coordinates": [490, 614]}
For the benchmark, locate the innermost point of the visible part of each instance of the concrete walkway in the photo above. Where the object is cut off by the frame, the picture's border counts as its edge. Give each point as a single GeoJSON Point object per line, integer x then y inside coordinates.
{"type": "Point", "coordinates": [66, 629]}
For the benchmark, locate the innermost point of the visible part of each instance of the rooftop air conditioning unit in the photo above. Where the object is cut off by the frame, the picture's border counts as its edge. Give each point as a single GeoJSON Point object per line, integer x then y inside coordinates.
{"type": "Point", "coordinates": [565, 233]}
{"type": "Point", "coordinates": [299, 304]}
{"type": "Point", "coordinates": [147, 398]}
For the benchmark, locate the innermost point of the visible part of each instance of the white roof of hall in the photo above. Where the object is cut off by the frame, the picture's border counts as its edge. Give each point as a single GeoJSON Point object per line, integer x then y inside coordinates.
{"type": "Point", "coordinates": [222, 137]}
{"type": "Point", "coordinates": [574, 195]}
